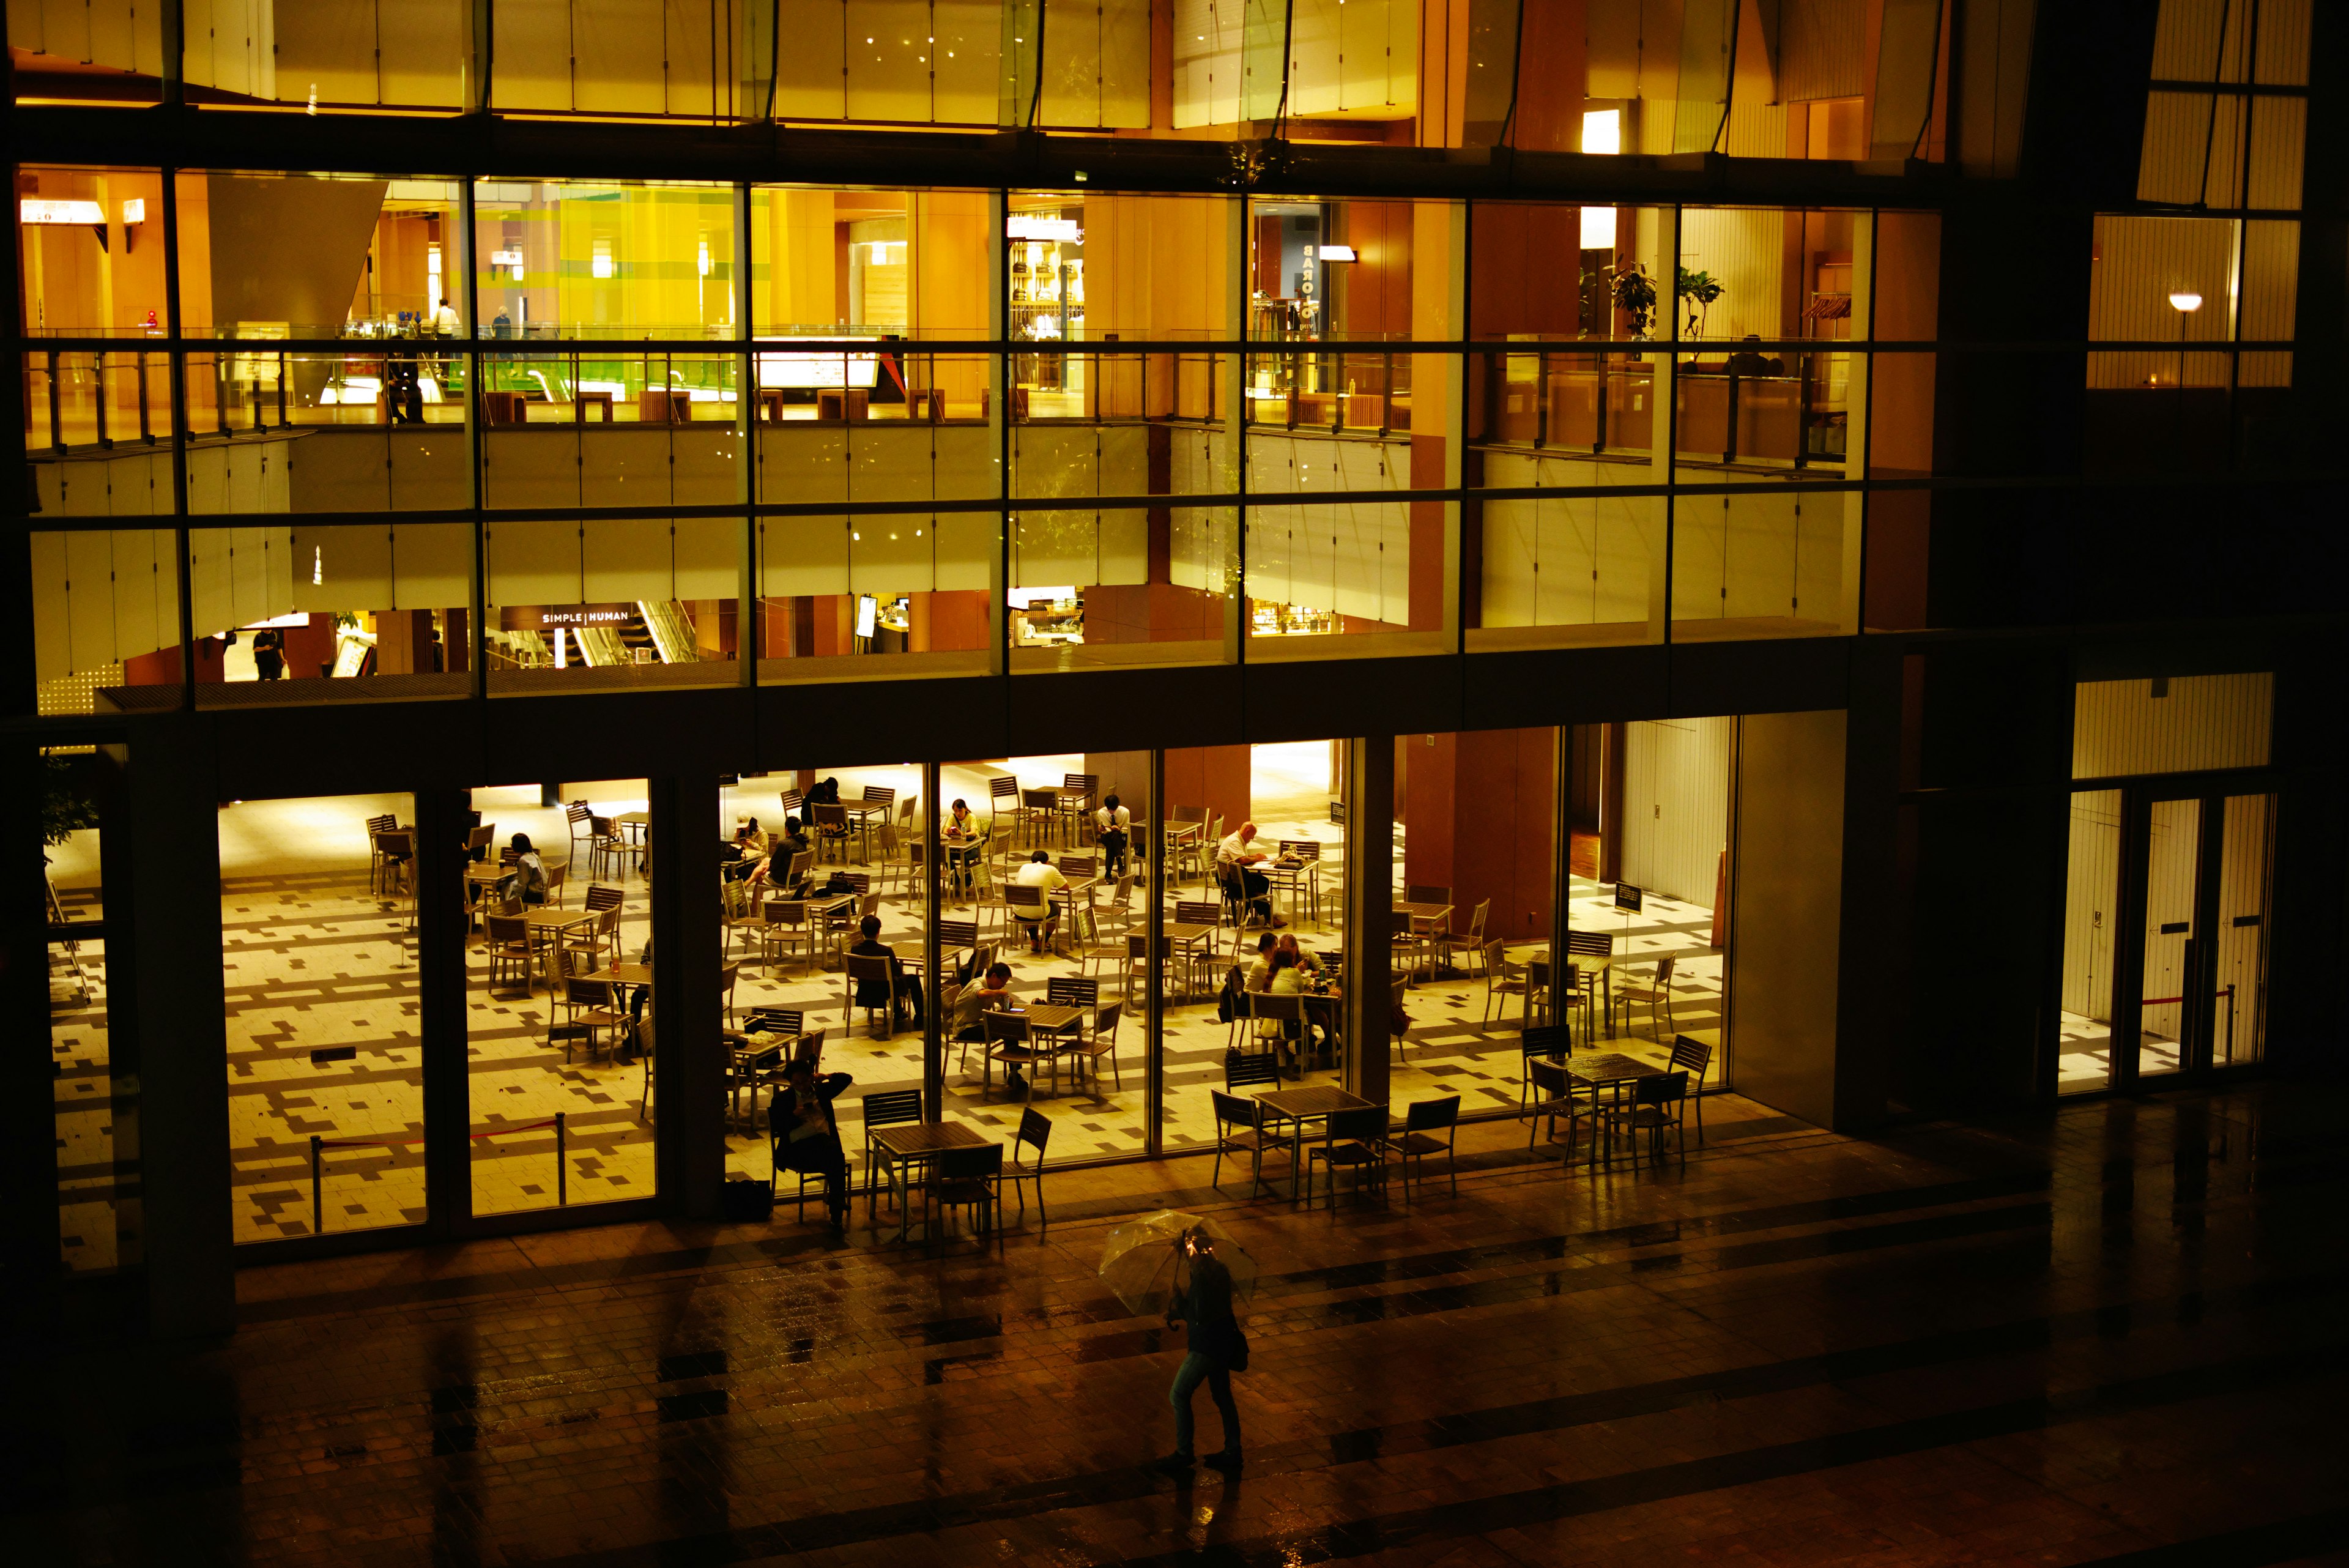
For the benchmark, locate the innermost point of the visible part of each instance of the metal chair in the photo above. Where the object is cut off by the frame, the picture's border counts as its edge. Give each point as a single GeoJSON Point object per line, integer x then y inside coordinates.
{"type": "Point", "coordinates": [1240, 1129]}
{"type": "Point", "coordinates": [968, 1179]}
{"type": "Point", "coordinates": [1006, 1041]}
{"type": "Point", "coordinates": [1035, 1132]}
{"type": "Point", "coordinates": [1692, 1054]}
{"type": "Point", "coordinates": [1553, 1097]}
{"type": "Point", "coordinates": [858, 969]}
{"type": "Point", "coordinates": [1548, 1042]}
{"type": "Point", "coordinates": [1357, 1141]}
{"type": "Point", "coordinates": [589, 1016]}
{"type": "Point", "coordinates": [1242, 1068]}
{"type": "Point", "coordinates": [1657, 993]}
{"type": "Point", "coordinates": [1414, 1138]}
{"type": "Point", "coordinates": [1104, 1043]}
{"type": "Point", "coordinates": [1656, 1106]}
{"type": "Point", "coordinates": [883, 1109]}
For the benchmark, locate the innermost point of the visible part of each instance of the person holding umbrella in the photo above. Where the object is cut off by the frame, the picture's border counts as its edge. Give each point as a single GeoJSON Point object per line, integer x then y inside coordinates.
{"type": "Point", "coordinates": [1218, 1349]}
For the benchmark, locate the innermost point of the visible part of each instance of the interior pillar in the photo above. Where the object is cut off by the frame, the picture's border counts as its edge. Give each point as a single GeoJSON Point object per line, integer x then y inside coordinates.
{"type": "Point", "coordinates": [1369, 906]}
{"type": "Point", "coordinates": [182, 1029]}
{"type": "Point", "coordinates": [688, 1068]}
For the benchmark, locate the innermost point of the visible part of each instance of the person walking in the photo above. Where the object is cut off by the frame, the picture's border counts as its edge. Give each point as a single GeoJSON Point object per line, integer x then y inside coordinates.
{"type": "Point", "coordinates": [1218, 1349]}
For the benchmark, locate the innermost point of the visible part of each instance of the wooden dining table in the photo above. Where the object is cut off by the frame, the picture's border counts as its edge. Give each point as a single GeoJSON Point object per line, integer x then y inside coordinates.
{"type": "Point", "coordinates": [1425, 920]}
{"type": "Point", "coordinates": [1187, 935]}
{"type": "Point", "coordinates": [637, 824]}
{"type": "Point", "coordinates": [546, 926]}
{"type": "Point", "coordinates": [1312, 1102]}
{"type": "Point", "coordinates": [909, 1143]}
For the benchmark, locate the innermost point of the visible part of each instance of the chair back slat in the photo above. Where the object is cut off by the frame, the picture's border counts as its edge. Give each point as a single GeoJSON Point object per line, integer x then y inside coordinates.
{"type": "Point", "coordinates": [1365, 1126]}
{"type": "Point", "coordinates": [888, 1108]}
{"type": "Point", "coordinates": [1250, 1067]}
{"type": "Point", "coordinates": [1597, 943]}
{"type": "Point", "coordinates": [1694, 1054]}
{"type": "Point", "coordinates": [1036, 1131]}
{"type": "Point", "coordinates": [1072, 991]}
{"type": "Point", "coordinates": [880, 795]}
{"type": "Point", "coordinates": [1423, 1115]}
{"type": "Point", "coordinates": [1549, 1079]}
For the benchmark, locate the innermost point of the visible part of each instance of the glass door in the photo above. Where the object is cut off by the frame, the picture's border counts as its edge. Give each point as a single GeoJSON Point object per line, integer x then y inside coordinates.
{"type": "Point", "coordinates": [2170, 982]}
{"type": "Point", "coordinates": [2240, 936]}
{"type": "Point", "coordinates": [2199, 870]}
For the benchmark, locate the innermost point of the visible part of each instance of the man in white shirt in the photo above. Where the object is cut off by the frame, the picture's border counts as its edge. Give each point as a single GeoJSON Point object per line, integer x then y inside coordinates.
{"type": "Point", "coordinates": [1238, 852]}
{"type": "Point", "coordinates": [444, 319]}
{"type": "Point", "coordinates": [1030, 898]}
{"type": "Point", "coordinates": [1111, 825]}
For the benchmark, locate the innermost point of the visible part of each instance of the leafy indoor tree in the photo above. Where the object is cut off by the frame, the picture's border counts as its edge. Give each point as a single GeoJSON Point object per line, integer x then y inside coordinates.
{"type": "Point", "coordinates": [1697, 291]}
{"type": "Point", "coordinates": [65, 809]}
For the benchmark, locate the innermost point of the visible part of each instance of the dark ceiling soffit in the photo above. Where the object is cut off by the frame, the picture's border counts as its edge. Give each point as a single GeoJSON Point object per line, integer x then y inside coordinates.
{"type": "Point", "coordinates": [550, 148]}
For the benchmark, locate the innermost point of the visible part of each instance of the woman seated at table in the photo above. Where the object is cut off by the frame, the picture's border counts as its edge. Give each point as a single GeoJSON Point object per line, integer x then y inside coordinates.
{"type": "Point", "coordinates": [527, 882]}
{"type": "Point", "coordinates": [1030, 898]}
{"type": "Point", "coordinates": [793, 843]}
{"type": "Point", "coordinates": [806, 1132]}
{"type": "Point", "coordinates": [742, 854]}
{"type": "Point", "coordinates": [1259, 974]}
{"type": "Point", "coordinates": [1285, 980]}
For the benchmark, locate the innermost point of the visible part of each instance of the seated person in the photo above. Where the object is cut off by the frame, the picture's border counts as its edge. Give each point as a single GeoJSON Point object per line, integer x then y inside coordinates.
{"type": "Point", "coordinates": [1305, 961]}
{"type": "Point", "coordinates": [1285, 980]}
{"type": "Point", "coordinates": [742, 854]}
{"type": "Point", "coordinates": [1754, 362]}
{"type": "Point", "coordinates": [876, 993]}
{"type": "Point", "coordinates": [1030, 898]}
{"type": "Point", "coordinates": [965, 838]}
{"type": "Point", "coordinates": [806, 1133]}
{"type": "Point", "coordinates": [527, 882]}
{"type": "Point", "coordinates": [793, 843]}
{"type": "Point", "coordinates": [1259, 974]}
{"type": "Point", "coordinates": [1237, 856]}
{"type": "Point", "coordinates": [972, 1007]}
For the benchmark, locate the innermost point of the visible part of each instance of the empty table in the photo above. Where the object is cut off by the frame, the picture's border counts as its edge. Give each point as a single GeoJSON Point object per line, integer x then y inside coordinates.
{"type": "Point", "coordinates": [1312, 1103]}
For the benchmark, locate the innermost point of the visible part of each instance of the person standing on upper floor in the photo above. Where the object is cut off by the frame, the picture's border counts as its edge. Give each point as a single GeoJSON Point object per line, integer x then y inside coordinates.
{"type": "Point", "coordinates": [1113, 828]}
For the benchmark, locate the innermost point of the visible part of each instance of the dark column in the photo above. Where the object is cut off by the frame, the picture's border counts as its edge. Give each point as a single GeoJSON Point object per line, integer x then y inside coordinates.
{"type": "Point", "coordinates": [934, 1051]}
{"type": "Point", "coordinates": [182, 1045]}
{"type": "Point", "coordinates": [1369, 906]}
{"type": "Point", "coordinates": [689, 1070]}
{"type": "Point", "coordinates": [1154, 994]}
{"type": "Point", "coordinates": [1873, 915]}
{"type": "Point", "coordinates": [442, 818]}
{"type": "Point", "coordinates": [28, 1134]}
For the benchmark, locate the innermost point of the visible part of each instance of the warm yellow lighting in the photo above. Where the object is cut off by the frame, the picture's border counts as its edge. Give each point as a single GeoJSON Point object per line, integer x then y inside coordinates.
{"type": "Point", "coordinates": [1597, 228]}
{"type": "Point", "coordinates": [1602, 130]}
{"type": "Point", "coordinates": [2186, 299]}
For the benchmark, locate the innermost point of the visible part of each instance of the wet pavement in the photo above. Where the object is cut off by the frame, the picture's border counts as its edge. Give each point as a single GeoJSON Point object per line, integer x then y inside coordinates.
{"type": "Point", "coordinates": [2115, 1333]}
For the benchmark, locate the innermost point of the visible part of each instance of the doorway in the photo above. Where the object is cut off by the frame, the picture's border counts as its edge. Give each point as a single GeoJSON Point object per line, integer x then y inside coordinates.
{"type": "Point", "coordinates": [2189, 969]}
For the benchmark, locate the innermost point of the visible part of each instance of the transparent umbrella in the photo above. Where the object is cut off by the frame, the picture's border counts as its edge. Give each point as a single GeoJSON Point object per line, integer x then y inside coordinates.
{"type": "Point", "coordinates": [1139, 1262]}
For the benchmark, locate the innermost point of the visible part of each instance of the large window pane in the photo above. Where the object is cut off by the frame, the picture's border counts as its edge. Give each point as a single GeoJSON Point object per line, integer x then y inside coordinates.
{"type": "Point", "coordinates": [553, 1018]}
{"type": "Point", "coordinates": [792, 916]}
{"type": "Point", "coordinates": [98, 1195]}
{"type": "Point", "coordinates": [1648, 805]}
{"type": "Point", "coordinates": [605, 603]}
{"type": "Point", "coordinates": [1084, 1068]}
{"type": "Point", "coordinates": [325, 1073]}
{"type": "Point", "coordinates": [1216, 927]}
{"type": "Point", "coordinates": [580, 259]}
{"type": "Point", "coordinates": [106, 602]}
{"type": "Point", "coordinates": [1768, 564]}
{"type": "Point", "coordinates": [2091, 916]}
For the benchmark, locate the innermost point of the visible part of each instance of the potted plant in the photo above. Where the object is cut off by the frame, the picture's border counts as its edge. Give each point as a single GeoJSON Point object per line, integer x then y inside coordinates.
{"type": "Point", "coordinates": [1635, 297]}
{"type": "Point", "coordinates": [1697, 291]}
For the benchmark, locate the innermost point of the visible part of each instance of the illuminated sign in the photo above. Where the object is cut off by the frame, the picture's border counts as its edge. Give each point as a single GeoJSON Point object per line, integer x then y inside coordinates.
{"type": "Point", "coordinates": [1018, 226]}
{"type": "Point", "coordinates": [46, 210]}
{"type": "Point", "coordinates": [804, 370]}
